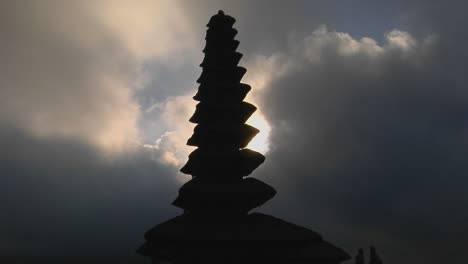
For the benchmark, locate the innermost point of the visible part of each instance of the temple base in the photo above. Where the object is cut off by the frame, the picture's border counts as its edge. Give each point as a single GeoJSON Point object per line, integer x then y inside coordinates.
{"type": "Point", "coordinates": [252, 238]}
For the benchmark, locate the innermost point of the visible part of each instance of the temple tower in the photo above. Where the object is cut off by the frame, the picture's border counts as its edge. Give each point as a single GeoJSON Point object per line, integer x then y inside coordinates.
{"type": "Point", "coordinates": [216, 226]}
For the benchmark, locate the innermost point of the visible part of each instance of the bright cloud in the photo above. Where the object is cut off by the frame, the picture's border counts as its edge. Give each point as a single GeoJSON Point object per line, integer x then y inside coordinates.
{"type": "Point", "coordinates": [69, 70]}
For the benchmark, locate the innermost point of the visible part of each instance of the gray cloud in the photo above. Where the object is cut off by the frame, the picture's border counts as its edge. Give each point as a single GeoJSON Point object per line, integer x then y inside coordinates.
{"type": "Point", "coordinates": [76, 180]}
{"type": "Point", "coordinates": [57, 79]}
{"type": "Point", "coordinates": [368, 140]}
{"type": "Point", "coordinates": [72, 70]}
{"type": "Point", "coordinates": [60, 197]}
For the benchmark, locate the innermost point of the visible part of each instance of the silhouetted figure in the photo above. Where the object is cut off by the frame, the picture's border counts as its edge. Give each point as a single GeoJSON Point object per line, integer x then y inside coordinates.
{"type": "Point", "coordinates": [216, 226]}
{"type": "Point", "coordinates": [360, 256]}
{"type": "Point", "coordinates": [374, 258]}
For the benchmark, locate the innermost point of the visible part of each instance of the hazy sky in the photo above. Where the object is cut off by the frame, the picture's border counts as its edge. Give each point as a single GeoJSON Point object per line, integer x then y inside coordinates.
{"type": "Point", "coordinates": [363, 108]}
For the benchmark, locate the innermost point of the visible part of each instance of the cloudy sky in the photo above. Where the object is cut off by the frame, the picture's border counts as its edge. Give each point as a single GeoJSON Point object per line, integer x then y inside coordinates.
{"type": "Point", "coordinates": [363, 109]}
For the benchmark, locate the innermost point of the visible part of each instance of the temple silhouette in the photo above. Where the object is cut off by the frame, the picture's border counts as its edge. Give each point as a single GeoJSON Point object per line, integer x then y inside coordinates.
{"type": "Point", "coordinates": [216, 225]}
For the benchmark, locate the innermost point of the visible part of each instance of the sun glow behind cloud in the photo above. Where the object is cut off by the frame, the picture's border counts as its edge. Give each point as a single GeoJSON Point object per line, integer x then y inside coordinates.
{"type": "Point", "coordinates": [260, 141]}
{"type": "Point", "coordinates": [176, 112]}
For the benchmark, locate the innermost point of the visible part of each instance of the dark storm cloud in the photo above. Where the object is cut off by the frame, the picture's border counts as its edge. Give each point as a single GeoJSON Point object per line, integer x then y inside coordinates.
{"type": "Point", "coordinates": [370, 143]}
{"type": "Point", "coordinates": [59, 197]}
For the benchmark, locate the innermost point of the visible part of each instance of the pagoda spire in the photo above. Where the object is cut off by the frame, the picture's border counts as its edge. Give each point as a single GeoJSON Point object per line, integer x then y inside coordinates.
{"type": "Point", "coordinates": [221, 161]}
{"type": "Point", "coordinates": [216, 226]}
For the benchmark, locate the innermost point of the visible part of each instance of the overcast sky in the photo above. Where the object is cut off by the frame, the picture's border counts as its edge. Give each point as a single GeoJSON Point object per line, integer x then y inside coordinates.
{"type": "Point", "coordinates": [363, 112]}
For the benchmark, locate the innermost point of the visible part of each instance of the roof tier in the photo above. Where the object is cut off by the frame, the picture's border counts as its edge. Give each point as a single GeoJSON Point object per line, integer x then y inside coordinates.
{"type": "Point", "coordinates": [221, 112]}
{"type": "Point", "coordinates": [204, 195]}
{"type": "Point", "coordinates": [215, 135]}
{"type": "Point", "coordinates": [222, 92]}
{"type": "Point", "coordinates": [229, 163]}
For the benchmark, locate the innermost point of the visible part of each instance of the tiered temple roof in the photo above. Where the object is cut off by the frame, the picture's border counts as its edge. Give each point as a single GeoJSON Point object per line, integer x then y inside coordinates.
{"type": "Point", "coordinates": [216, 226]}
{"type": "Point", "coordinates": [221, 161]}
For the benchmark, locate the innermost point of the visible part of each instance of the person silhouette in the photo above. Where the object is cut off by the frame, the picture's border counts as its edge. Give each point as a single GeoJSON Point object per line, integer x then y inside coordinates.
{"type": "Point", "coordinates": [360, 257]}
{"type": "Point", "coordinates": [374, 258]}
